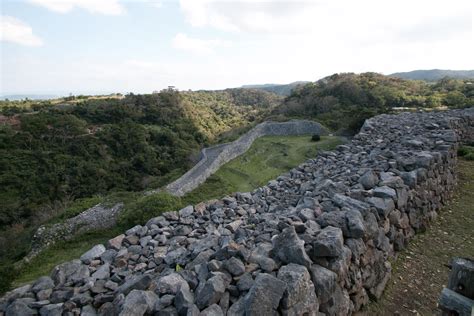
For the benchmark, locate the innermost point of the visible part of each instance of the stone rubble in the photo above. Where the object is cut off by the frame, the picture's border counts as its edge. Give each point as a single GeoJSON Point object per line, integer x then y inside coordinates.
{"type": "Point", "coordinates": [315, 241]}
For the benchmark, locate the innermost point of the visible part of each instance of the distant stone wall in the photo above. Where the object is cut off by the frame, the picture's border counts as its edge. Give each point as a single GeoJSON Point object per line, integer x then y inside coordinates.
{"type": "Point", "coordinates": [213, 158]}
{"type": "Point", "coordinates": [315, 241]}
{"type": "Point", "coordinates": [94, 218]}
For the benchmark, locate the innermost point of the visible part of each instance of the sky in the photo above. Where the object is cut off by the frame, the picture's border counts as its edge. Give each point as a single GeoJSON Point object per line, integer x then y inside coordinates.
{"type": "Point", "coordinates": [106, 46]}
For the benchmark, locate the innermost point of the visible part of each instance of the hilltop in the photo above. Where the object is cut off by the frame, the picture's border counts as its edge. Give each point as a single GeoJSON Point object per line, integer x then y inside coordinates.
{"type": "Point", "coordinates": [280, 89]}
{"type": "Point", "coordinates": [343, 101]}
{"type": "Point", "coordinates": [434, 74]}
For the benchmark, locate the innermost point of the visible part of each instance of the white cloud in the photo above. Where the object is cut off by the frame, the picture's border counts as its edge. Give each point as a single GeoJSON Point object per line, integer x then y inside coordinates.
{"type": "Point", "coordinates": [108, 7]}
{"type": "Point", "coordinates": [197, 46]}
{"type": "Point", "coordinates": [362, 18]}
{"type": "Point", "coordinates": [16, 31]}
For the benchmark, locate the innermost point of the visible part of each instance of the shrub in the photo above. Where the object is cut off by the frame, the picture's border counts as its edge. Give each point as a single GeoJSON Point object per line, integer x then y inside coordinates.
{"type": "Point", "coordinates": [315, 138]}
{"type": "Point", "coordinates": [147, 207]}
{"type": "Point", "coordinates": [7, 273]}
{"type": "Point", "coordinates": [467, 152]}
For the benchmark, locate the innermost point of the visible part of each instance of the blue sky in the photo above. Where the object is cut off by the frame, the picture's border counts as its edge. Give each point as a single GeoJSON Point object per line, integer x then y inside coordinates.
{"type": "Point", "coordinates": [103, 46]}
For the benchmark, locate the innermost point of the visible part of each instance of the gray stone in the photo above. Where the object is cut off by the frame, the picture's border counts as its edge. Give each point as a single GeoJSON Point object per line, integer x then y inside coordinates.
{"type": "Point", "coordinates": [193, 311]}
{"type": "Point", "coordinates": [324, 281]}
{"type": "Point", "coordinates": [383, 205]}
{"type": "Point", "coordinates": [184, 300]}
{"type": "Point", "coordinates": [19, 308]}
{"type": "Point", "coordinates": [103, 272]}
{"type": "Point", "coordinates": [342, 200]}
{"type": "Point", "coordinates": [211, 292]}
{"type": "Point", "coordinates": [213, 310]}
{"type": "Point", "coordinates": [93, 253]}
{"type": "Point", "coordinates": [238, 308]}
{"type": "Point", "coordinates": [187, 211]}
{"type": "Point", "coordinates": [328, 243]}
{"type": "Point", "coordinates": [245, 282]}
{"type": "Point", "coordinates": [288, 248]}
{"type": "Point", "coordinates": [43, 283]}
{"type": "Point", "coordinates": [385, 192]}
{"type": "Point", "coordinates": [369, 179]}
{"type": "Point", "coordinates": [138, 303]}
{"type": "Point", "coordinates": [299, 297]}
{"type": "Point", "coordinates": [52, 310]}
{"type": "Point", "coordinates": [73, 271]}
{"type": "Point", "coordinates": [264, 297]}
{"type": "Point", "coordinates": [234, 266]}
{"type": "Point", "coordinates": [355, 224]}
{"type": "Point", "coordinates": [88, 310]}
{"type": "Point", "coordinates": [171, 284]}
{"type": "Point", "coordinates": [137, 282]}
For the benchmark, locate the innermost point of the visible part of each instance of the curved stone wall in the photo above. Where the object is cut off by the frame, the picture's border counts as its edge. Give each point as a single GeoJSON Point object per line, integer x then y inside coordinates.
{"type": "Point", "coordinates": [315, 241]}
{"type": "Point", "coordinates": [213, 158]}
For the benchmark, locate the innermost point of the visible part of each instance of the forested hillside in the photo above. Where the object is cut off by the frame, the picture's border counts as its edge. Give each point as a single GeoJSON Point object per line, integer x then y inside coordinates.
{"type": "Point", "coordinates": [434, 74]}
{"type": "Point", "coordinates": [216, 112]}
{"type": "Point", "coordinates": [93, 146]}
{"type": "Point", "coordinates": [280, 89]}
{"type": "Point", "coordinates": [344, 101]}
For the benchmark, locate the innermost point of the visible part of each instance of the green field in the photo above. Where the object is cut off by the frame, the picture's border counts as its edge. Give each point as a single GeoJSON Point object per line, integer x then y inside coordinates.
{"type": "Point", "coordinates": [267, 158]}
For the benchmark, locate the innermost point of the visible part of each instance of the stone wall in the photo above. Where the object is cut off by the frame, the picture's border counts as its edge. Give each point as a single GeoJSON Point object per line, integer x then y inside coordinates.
{"type": "Point", "coordinates": [94, 218]}
{"type": "Point", "coordinates": [315, 241]}
{"type": "Point", "coordinates": [213, 158]}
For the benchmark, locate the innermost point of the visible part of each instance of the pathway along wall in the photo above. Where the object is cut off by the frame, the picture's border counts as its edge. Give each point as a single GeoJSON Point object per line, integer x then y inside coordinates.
{"type": "Point", "coordinates": [213, 158]}
{"type": "Point", "coordinates": [315, 241]}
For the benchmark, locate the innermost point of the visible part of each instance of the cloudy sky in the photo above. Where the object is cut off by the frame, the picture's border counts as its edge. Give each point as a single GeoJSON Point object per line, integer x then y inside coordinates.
{"type": "Point", "coordinates": [103, 46]}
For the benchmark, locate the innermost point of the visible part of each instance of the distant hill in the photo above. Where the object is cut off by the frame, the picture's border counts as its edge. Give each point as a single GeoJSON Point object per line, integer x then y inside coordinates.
{"type": "Point", "coordinates": [28, 96]}
{"type": "Point", "coordinates": [434, 74]}
{"type": "Point", "coordinates": [280, 89]}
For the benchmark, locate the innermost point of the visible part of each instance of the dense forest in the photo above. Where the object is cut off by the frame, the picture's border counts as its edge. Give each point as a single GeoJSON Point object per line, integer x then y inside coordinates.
{"type": "Point", "coordinates": [72, 150]}
{"type": "Point", "coordinates": [343, 101]}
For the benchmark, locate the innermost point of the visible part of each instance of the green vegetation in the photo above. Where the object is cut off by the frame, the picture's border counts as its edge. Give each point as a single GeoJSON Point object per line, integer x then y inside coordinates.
{"type": "Point", "coordinates": [60, 252]}
{"type": "Point", "coordinates": [343, 101]}
{"type": "Point", "coordinates": [217, 112]}
{"type": "Point", "coordinates": [59, 157]}
{"type": "Point", "coordinates": [267, 158]}
{"type": "Point", "coordinates": [146, 207]}
{"type": "Point", "coordinates": [434, 74]}
{"type": "Point", "coordinates": [280, 89]}
{"type": "Point", "coordinates": [467, 152]}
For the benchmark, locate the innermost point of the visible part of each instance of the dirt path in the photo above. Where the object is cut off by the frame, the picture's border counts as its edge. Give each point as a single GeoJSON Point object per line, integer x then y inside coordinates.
{"type": "Point", "coordinates": [419, 272]}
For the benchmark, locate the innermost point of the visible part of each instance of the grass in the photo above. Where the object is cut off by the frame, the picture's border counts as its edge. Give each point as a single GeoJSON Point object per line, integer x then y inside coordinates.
{"type": "Point", "coordinates": [61, 252]}
{"type": "Point", "coordinates": [419, 273]}
{"type": "Point", "coordinates": [467, 152]}
{"type": "Point", "coordinates": [267, 158]}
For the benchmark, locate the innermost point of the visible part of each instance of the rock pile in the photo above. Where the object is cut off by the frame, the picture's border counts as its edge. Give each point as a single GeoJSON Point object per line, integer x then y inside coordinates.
{"type": "Point", "coordinates": [314, 241]}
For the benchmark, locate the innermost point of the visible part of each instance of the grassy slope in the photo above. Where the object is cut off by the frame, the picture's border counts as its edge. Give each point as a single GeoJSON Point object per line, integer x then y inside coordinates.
{"type": "Point", "coordinates": [266, 159]}
{"type": "Point", "coordinates": [419, 272]}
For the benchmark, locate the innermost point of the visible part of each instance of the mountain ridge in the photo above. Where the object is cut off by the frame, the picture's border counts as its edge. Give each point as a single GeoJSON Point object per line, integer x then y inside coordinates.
{"type": "Point", "coordinates": [434, 74]}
